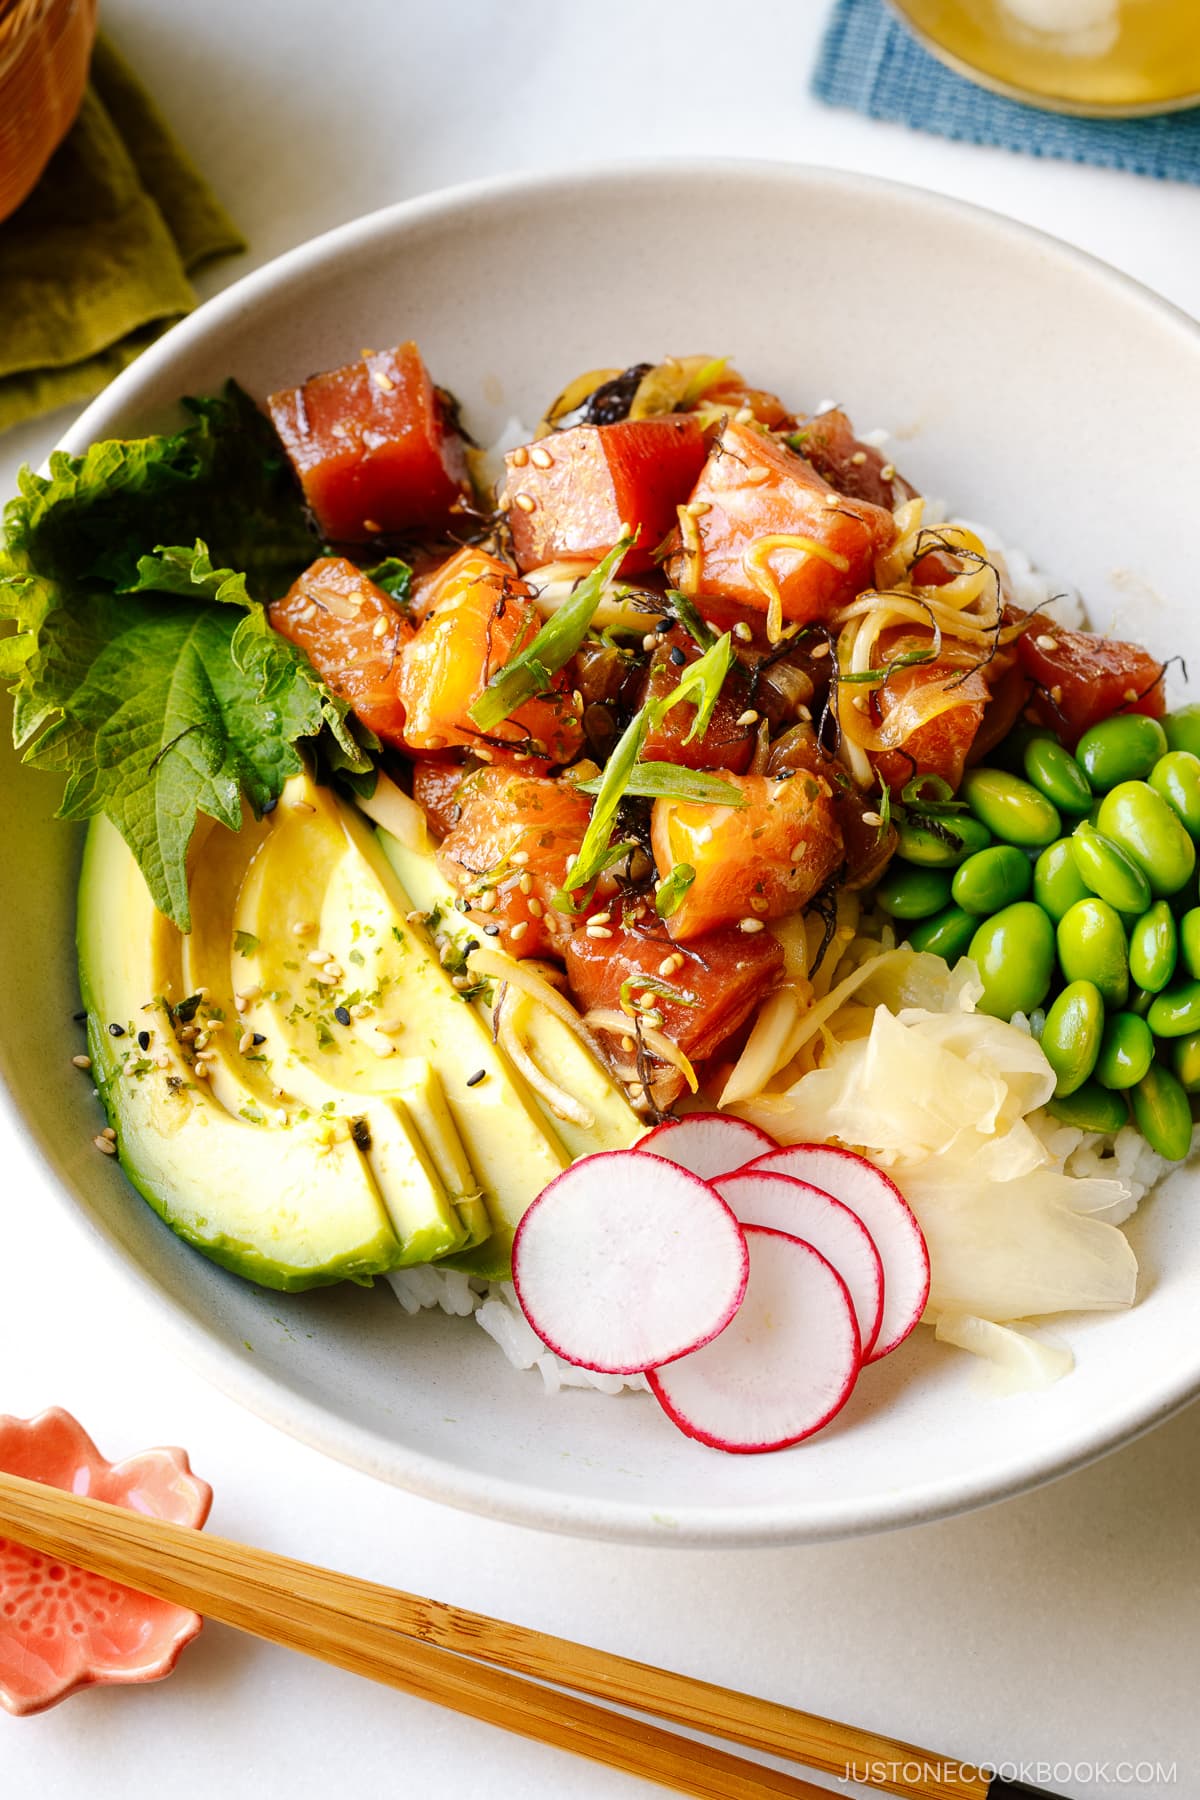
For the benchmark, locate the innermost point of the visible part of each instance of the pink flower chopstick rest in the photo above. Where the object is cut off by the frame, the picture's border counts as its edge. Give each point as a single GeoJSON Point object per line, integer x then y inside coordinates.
{"type": "Point", "coordinates": [62, 1629]}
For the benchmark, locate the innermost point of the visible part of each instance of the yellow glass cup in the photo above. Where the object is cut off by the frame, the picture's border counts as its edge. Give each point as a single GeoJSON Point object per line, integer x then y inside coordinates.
{"type": "Point", "coordinates": [1101, 58]}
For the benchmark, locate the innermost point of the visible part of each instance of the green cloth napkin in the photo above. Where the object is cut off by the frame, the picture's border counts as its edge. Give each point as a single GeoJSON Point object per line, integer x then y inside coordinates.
{"type": "Point", "coordinates": [95, 263]}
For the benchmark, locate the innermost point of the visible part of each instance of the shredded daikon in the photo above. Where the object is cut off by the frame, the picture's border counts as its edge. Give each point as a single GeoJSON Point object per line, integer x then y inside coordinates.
{"type": "Point", "coordinates": [508, 1031]}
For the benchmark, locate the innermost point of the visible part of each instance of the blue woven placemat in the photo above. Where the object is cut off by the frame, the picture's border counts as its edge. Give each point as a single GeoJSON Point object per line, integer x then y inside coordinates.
{"type": "Point", "coordinates": [872, 64]}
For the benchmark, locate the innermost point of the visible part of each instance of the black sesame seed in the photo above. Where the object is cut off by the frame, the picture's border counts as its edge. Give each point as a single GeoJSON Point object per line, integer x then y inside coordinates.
{"type": "Point", "coordinates": [678, 656]}
{"type": "Point", "coordinates": [143, 1040]}
{"type": "Point", "coordinates": [491, 931]}
{"type": "Point", "coordinates": [78, 1018]}
{"type": "Point", "coordinates": [258, 1038]}
{"type": "Point", "coordinates": [475, 1079]}
{"type": "Point", "coordinates": [269, 807]}
{"type": "Point", "coordinates": [471, 944]}
{"type": "Point", "coordinates": [116, 1031]}
{"type": "Point", "coordinates": [663, 624]}
{"type": "Point", "coordinates": [342, 1015]}
{"type": "Point", "coordinates": [360, 1131]}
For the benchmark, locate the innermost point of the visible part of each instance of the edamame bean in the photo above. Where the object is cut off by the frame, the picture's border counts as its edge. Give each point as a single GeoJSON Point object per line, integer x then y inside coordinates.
{"type": "Point", "coordinates": [1010, 751]}
{"type": "Point", "coordinates": [1091, 947]}
{"type": "Point", "coordinates": [1012, 809]}
{"type": "Point", "coordinates": [1072, 1035]}
{"type": "Point", "coordinates": [1142, 823]}
{"type": "Point", "coordinates": [992, 879]}
{"type": "Point", "coordinates": [1176, 1011]}
{"type": "Point", "coordinates": [1189, 941]}
{"type": "Point", "coordinates": [909, 892]}
{"type": "Point", "coordinates": [1185, 1060]}
{"type": "Point", "coordinates": [958, 836]}
{"type": "Point", "coordinates": [1057, 883]}
{"type": "Point", "coordinates": [1126, 1052]}
{"type": "Point", "coordinates": [1108, 870]}
{"type": "Point", "coordinates": [1014, 953]}
{"type": "Point", "coordinates": [947, 934]}
{"type": "Point", "coordinates": [1122, 748]}
{"type": "Point", "coordinates": [1182, 729]}
{"type": "Point", "coordinates": [1090, 1108]}
{"type": "Point", "coordinates": [1162, 1114]}
{"type": "Point", "coordinates": [1054, 772]}
{"type": "Point", "coordinates": [1140, 1001]}
{"type": "Point", "coordinates": [1176, 776]}
{"type": "Point", "coordinates": [1154, 946]}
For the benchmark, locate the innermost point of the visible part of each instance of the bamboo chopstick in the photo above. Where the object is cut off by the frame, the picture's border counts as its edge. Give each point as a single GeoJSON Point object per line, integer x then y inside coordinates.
{"type": "Point", "coordinates": [477, 1665]}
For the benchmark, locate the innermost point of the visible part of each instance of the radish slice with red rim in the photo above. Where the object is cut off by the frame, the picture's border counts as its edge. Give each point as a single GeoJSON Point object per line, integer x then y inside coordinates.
{"type": "Point", "coordinates": [783, 1368]}
{"type": "Point", "coordinates": [707, 1143]}
{"type": "Point", "coordinates": [626, 1261]}
{"type": "Point", "coordinates": [888, 1217]}
{"type": "Point", "coordinates": [763, 1197]}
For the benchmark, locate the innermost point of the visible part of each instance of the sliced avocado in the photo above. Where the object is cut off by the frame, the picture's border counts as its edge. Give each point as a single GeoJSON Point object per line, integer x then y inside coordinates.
{"type": "Point", "coordinates": [290, 1209]}
{"type": "Point", "coordinates": [396, 997]}
{"type": "Point", "coordinates": [553, 1046]}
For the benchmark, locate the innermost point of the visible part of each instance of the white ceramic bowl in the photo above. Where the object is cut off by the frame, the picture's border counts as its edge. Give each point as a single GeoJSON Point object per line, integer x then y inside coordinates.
{"type": "Point", "coordinates": [1039, 391]}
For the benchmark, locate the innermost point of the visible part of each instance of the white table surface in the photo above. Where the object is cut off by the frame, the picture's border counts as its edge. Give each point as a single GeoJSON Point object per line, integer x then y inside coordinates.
{"type": "Point", "coordinates": [1060, 1628]}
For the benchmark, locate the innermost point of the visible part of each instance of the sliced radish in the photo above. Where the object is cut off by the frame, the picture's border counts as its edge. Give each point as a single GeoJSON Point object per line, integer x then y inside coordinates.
{"type": "Point", "coordinates": [626, 1261]}
{"type": "Point", "coordinates": [763, 1197]}
{"type": "Point", "coordinates": [708, 1143]}
{"type": "Point", "coordinates": [888, 1217]}
{"type": "Point", "coordinates": [783, 1368]}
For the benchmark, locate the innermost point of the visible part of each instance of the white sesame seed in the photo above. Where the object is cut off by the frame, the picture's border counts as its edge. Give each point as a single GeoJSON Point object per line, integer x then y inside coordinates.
{"type": "Point", "coordinates": [649, 641]}
{"type": "Point", "coordinates": [541, 457]}
{"type": "Point", "coordinates": [833, 500]}
{"type": "Point", "coordinates": [1056, 694]}
{"type": "Point", "coordinates": [601, 918]}
{"type": "Point", "coordinates": [628, 1045]}
{"type": "Point", "coordinates": [859, 458]}
{"type": "Point", "coordinates": [536, 909]}
{"type": "Point", "coordinates": [162, 1060]}
{"type": "Point", "coordinates": [519, 930]}
{"type": "Point", "coordinates": [105, 1143]}
{"type": "Point", "coordinates": [598, 931]}
{"type": "Point", "coordinates": [636, 1091]}
{"type": "Point", "coordinates": [379, 628]}
{"type": "Point", "coordinates": [750, 925]}
{"type": "Point", "coordinates": [749, 717]}
{"type": "Point", "coordinates": [202, 994]}
{"type": "Point", "coordinates": [390, 1027]}
{"type": "Point", "coordinates": [200, 1071]}
{"type": "Point", "coordinates": [698, 508]}
{"type": "Point", "coordinates": [667, 966]}
{"type": "Point", "coordinates": [82, 1062]}
{"type": "Point", "coordinates": [872, 818]}
{"type": "Point", "coordinates": [1130, 694]}
{"type": "Point", "coordinates": [519, 858]}
{"type": "Point", "coordinates": [382, 1050]}
{"type": "Point", "coordinates": [462, 982]}
{"type": "Point", "coordinates": [250, 994]}
{"type": "Point", "coordinates": [383, 382]}
{"type": "Point", "coordinates": [245, 1042]}
{"type": "Point", "coordinates": [360, 1010]}
{"type": "Point", "coordinates": [1045, 642]}
{"type": "Point", "coordinates": [488, 902]}
{"type": "Point", "coordinates": [819, 650]}
{"type": "Point", "coordinates": [373, 526]}
{"type": "Point", "coordinates": [519, 457]}
{"type": "Point", "coordinates": [526, 502]}
{"type": "Point", "coordinates": [888, 472]}
{"type": "Point", "coordinates": [526, 884]}
{"type": "Point", "coordinates": [329, 976]}
{"type": "Point", "coordinates": [742, 632]}
{"type": "Point", "coordinates": [756, 474]}
{"type": "Point", "coordinates": [302, 806]}
{"type": "Point", "coordinates": [201, 1040]}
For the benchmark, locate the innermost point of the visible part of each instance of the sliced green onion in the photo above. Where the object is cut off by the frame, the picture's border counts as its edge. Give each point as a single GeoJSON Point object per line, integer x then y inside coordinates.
{"type": "Point", "coordinates": [668, 781]}
{"type": "Point", "coordinates": [650, 984]}
{"type": "Point", "coordinates": [672, 888]}
{"type": "Point", "coordinates": [529, 672]}
{"type": "Point", "coordinates": [701, 684]}
{"type": "Point", "coordinates": [615, 853]}
{"type": "Point", "coordinates": [910, 660]}
{"type": "Point", "coordinates": [705, 377]}
{"type": "Point", "coordinates": [590, 861]}
{"type": "Point", "coordinates": [690, 619]}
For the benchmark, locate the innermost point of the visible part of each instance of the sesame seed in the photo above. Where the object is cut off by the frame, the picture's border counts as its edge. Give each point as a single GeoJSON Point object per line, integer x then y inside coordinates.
{"type": "Point", "coordinates": [82, 1062]}
{"type": "Point", "coordinates": [201, 1040]}
{"type": "Point", "coordinates": [319, 958]}
{"type": "Point", "coordinates": [329, 976]}
{"type": "Point", "coordinates": [667, 966]}
{"type": "Point", "coordinates": [302, 806]}
{"type": "Point", "coordinates": [698, 508]}
{"type": "Point", "coordinates": [819, 650]}
{"type": "Point", "coordinates": [379, 628]}
{"type": "Point", "coordinates": [536, 909]}
{"type": "Point", "coordinates": [518, 931]}
{"type": "Point", "coordinates": [280, 1115]}
{"type": "Point", "coordinates": [116, 1031]}
{"type": "Point", "coordinates": [526, 883]}
{"type": "Point", "coordinates": [519, 858]}
{"type": "Point", "coordinates": [833, 500]}
{"type": "Point", "coordinates": [649, 641]}
{"type": "Point", "coordinates": [742, 632]}
{"type": "Point", "coordinates": [383, 382]}
{"type": "Point", "coordinates": [750, 925]}
{"type": "Point", "coordinates": [1056, 694]}
{"type": "Point", "coordinates": [162, 1060]}
{"type": "Point", "coordinates": [859, 458]}
{"type": "Point", "coordinates": [342, 1015]}
{"type": "Point", "coordinates": [1045, 642]}
{"type": "Point", "coordinates": [888, 472]}
{"type": "Point", "coordinates": [678, 655]}
{"type": "Point", "coordinates": [526, 502]}
{"type": "Point", "coordinates": [200, 1071]}
{"type": "Point", "coordinates": [382, 1050]}
{"type": "Point", "coordinates": [489, 902]}
{"type": "Point", "coordinates": [109, 1132]}
{"type": "Point", "coordinates": [598, 931]}
{"type": "Point", "coordinates": [628, 1045]}
{"type": "Point", "coordinates": [860, 701]}
{"type": "Point", "coordinates": [143, 1040]}
{"type": "Point", "coordinates": [390, 1027]}
{"type": "Point", "coordinates": [475, 1079]}
{"type": "Point", "coordinates": [872, 818]}
{"type": "Point", "coordinates": [758, 904]}
{"type": "Point", "coordinates": [187, 1033]}
{"type": "Point", "coordinates": [462, 982]}
{"type": "Point", "coordinates": [749, 717]}
{"type": "Point", "coordinates": [757, 473]}
{"type": "Point", "coordinates": [202, 994]}
{"type": "Point", "coordinates": [245, 1042]}
{"type": "Point", "coordinates": [804, 713]}
{"type": "Point", "coordinates": [373, 526]}
{"type": "Point", "coordinates": [258, 1038]}
{"type": "Point", "coordinates": [250, 994]}
{"type": "Point", "coordinates": [636, 1091]}
{"type": "Point", "coordinates": [1130, 694]}
{"type": "Point", "coordinates": [519, 457]}
{"type": "Point", "coordinates": [542, 458]}
{"type": "Point", "coordinates": [105, 1143]}
{"type": "Point", "coordinates": [491, 931]}
{"type": "Point", "coordinates": [602, 918]}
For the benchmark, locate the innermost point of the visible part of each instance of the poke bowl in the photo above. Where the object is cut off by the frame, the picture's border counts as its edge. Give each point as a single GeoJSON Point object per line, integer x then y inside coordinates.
{"type": "Point", "coordinates": [678, 790]}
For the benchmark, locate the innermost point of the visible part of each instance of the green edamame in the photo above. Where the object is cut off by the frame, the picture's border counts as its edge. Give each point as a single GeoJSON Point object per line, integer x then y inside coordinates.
{"type": "Point", "coordinates": [1176, 1011]}
{"type": "Point", "coordinates": [1176, 777]}
{"type": "Point", "coordinates": [1182, 728]}
{"type": "Point", "coordinates": [1092, 947]}
{"type": "Point", "coordinates": [1142, 823]}
{"type": "Point", "coordinates": [910, 892]}
{"type": "Point", "coordinates": [1189, 941]}
{"type": "Point", "coordinates": [1108, 870]}
{"type": "Point", "coordinates": [1072, 1035]}
{"type": "Point", "coordinates": [1054, 772]}
{"type": "Point", "coordinates": [1014, 953]}
{"type": "Point", "coordinates": [958, 836]}
{"type": "Point", "coordinates": [1154, 947]}
{"type": "Point", "coordinates": [1090, 1108]}
{"type": "Point", "coordinates": [946, 934]}
{"type": "Point", "coordinates": [1126, 1052]}
{"type": "Point", "coordinates": [1057, 883]}
{"type": "Point", "coordinates": [992, 879]}
{"type": "Point", "coordinates": [1013, 810]}
{"type": "Point", "coordinates": [1122, 748]}
{"type": "Point", "coordinates": [1140, 1001]}
{"type": "Point", "coordinates": [1162, 1113]}
{"type": "Point", "coordinates": [1185, 1060]}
